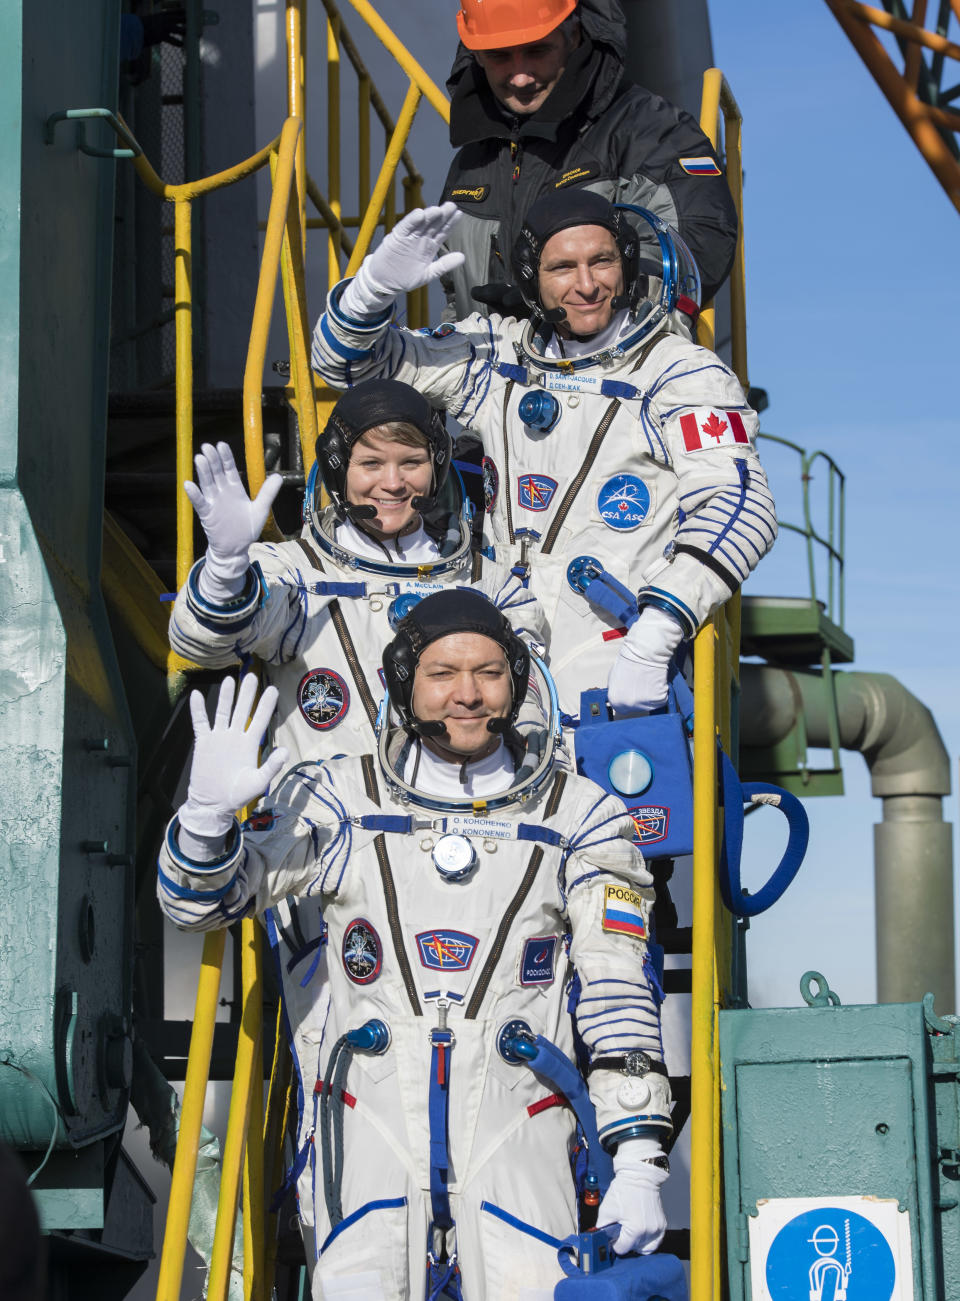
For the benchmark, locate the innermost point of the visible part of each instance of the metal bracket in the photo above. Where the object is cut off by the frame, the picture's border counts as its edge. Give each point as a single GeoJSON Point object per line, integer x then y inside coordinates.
{"type": "Point", "coordinates": [132, 150]}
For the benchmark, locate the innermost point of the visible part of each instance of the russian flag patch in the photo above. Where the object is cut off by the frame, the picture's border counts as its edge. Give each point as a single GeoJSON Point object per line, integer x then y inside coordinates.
{"type": "Point", "coordinates": [704, 427]}
{"type": "Point", "coordinates": [703, 166]}
{"type": "Point", "coordinates": [622, 912]}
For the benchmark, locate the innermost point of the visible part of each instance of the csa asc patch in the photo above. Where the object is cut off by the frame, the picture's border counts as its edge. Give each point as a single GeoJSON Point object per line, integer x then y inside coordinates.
{"type": "Point", "coordinates": [623, 502]}
{"type": "Point", "coordinates": [702, 166]}
{"type": "Point", "coordinates": [704, 427]}
{"type": "Point", "coordinates": [362, 952]}
{"type": "Point", "coordinates": [323, 697]}
{"type": "Point", "coordinates": [622, 912]}
{"type": "Point", "coordinates": [491, 484]}
{"type": "Point", "coordinates": [536, 960]}
{"type": "Point", "coordinates": [446, 950]}
{"type": "Point", "coordinates": [651, 822]}
{"type": "Point", "coordinates": [535, 491]}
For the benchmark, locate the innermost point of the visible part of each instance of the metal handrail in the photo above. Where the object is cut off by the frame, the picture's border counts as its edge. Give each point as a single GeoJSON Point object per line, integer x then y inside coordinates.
{"type": "Point", "coordinates": [716, 669]}
{"type": "Point", "coordinates": [833, 543]}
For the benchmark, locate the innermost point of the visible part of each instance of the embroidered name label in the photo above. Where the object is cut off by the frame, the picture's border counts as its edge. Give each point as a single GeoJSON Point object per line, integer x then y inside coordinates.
{"type": "Point", "coordinates": [622, 912]}
{"type": "Point", "coordinates": [575, 174]}
{"type": "Point", "coordinates": [476, 195]}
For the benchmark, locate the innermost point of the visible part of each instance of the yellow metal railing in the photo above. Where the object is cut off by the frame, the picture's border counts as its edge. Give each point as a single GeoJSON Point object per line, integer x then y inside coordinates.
{"type": "Point", "coordinates": [716, 668]}
{"type": "Point", "coordinates": [376, 203]}
{"type": "Point", "coordinates": [244, 1161]}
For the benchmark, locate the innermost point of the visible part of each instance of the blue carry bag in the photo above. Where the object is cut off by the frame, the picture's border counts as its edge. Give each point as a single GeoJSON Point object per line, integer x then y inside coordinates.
{"type": "Point", "coordinates": [601, 1275]}
{"type": "Point", "coordinates": [647, 762]}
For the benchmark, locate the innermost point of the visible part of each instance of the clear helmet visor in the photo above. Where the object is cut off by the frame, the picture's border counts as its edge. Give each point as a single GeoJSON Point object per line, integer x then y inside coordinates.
{"type": "Point", "coordinates": [672, 276]}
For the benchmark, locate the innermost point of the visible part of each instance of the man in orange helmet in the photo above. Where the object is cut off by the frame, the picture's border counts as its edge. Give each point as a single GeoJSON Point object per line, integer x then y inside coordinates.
{"type": "Point", "coordinates": [539, 103]}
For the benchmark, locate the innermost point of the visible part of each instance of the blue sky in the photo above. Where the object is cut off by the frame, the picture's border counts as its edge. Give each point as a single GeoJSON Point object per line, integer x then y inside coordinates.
{"type": "Point", "coordinates": [852, 280]}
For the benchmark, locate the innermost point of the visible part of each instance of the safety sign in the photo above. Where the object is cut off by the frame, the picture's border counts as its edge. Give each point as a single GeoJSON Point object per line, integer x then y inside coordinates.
{"type": "Point", "coordinates": [830, 1249]}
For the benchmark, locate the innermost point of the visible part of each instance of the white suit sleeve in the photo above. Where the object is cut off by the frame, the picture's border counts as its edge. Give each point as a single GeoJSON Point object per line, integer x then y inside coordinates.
{"type": "Point", "coordinates": [293, 852]}
{"type": "Point", "coordinates": [609, 901]}
{"type": "Point", "coordinates": [453, 367]}
{"type": "Point", "coordinates": [268, 619]}
{"type": "Point", "coordinates": [696, 418]}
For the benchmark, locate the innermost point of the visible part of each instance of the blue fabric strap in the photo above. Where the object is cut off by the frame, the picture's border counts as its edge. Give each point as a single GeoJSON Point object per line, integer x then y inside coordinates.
{"type": "Point", "coordinates": [558, 1070]}
{"type": "Point", "coordinates": [616, 388]}
{"type": "Point", "coordinates": [324, 588]}
{"type": "Point", "coordinates": [733, 795]}
{"type": "Point", "coordinates": [516, 373]}
{"type": "Point", "coordinates": [544, 835]}
{"type": "Point", "coordinates": [386, 822]}
{"type": "Point", "coordinates": [442, 1041]}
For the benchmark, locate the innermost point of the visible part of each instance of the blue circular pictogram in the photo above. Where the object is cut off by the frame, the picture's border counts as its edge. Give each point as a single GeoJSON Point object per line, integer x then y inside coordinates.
{"type": "Point", "coordinates": [623, 502]}
{"type": "Point", "coordinates": [829, 1253]}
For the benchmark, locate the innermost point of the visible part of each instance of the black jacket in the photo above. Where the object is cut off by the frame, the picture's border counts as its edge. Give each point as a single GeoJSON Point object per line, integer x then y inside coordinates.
{"type": "Point", "coordinates": [595, 130]}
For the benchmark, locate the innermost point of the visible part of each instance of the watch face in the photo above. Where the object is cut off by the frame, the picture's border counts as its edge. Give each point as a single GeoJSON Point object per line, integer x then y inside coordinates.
{"type": "Point", "coordinates": [637, 1063]}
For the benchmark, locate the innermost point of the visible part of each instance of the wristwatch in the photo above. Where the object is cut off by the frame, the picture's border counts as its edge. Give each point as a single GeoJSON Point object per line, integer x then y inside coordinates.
{"type": "Point", "coordinates": [662, 1162]}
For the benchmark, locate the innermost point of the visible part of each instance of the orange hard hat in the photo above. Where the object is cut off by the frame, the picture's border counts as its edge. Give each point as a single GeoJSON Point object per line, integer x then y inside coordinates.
{"type": "Point", "coordinates": [496, 24]}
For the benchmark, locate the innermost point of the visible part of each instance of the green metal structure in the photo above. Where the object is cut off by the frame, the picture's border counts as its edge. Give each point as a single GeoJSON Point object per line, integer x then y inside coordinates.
{"type": "Point", "coordinates": [67, 787]}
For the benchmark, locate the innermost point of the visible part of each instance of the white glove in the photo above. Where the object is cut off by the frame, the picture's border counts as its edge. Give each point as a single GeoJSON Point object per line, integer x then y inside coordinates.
{"type": "Point", "coordinates": [226, 772]}
{"type": "Point", "coordinates": [405, 260]}
{"type": "Point", "coordinates": [633, 1198]}
{"type": "Point", "coordinates": [638, 679]}
{"type": "Point", "coordinates": [231, 521]}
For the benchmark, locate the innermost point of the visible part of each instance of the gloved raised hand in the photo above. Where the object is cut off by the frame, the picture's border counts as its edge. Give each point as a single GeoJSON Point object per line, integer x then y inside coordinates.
{"type": "Point", "coordinates": [230, 520]}
{"type": "Point", "coordinates": [638, 679]}
{"type": "Point", "coordinates": [405, 260]}
{"type": "Point", "coordinates": [633, 1198]}
{"type": "Point", "coordinates": [226, 772]}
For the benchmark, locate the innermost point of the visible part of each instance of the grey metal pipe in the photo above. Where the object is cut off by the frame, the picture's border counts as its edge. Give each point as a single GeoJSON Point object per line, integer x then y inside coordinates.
{"type": "Point", "coordinates": [910, 771]}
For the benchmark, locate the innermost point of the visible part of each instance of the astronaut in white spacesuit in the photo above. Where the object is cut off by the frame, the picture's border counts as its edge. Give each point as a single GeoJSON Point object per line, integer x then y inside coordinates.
{"type": "Point", "coordinates": [619, 469]}
{"type": "Point", "coordinates": [318, 609]}
{"type": "Point", "coordinates": [461, 892]}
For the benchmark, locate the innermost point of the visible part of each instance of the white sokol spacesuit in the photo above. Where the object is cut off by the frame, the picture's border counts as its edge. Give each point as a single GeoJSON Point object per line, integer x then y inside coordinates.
{"type": "Point", "coordinates": [318, 610]}
{"type": "Point", "coordinates": [627, 453]}
{"type": "Point", "coordinates": [459, 902]}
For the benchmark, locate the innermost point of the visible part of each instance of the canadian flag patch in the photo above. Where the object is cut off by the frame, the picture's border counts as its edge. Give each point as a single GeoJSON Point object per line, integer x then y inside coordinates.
{"type": "Point", "coordinates": [704, 427]}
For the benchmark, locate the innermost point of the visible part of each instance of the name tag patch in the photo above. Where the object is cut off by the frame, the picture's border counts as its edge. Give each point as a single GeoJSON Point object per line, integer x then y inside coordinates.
{"type": "Point", "coordinates": [446, 950]}
{"type": "Point", "coordinates": [572, 176]}
{"type": "Point", "coordinates": [537, 960]}
{"type": "Point", "coordinates": [622, 912]}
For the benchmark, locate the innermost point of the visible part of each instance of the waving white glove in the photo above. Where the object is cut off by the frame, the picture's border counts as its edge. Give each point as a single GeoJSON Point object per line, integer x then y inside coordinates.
{"type": "Point", "coordinates": [638, 679]}
{"type": "Point", "coordinates": [226, 772]}
{"type": "Point", "coordinates": [231, 521]}
{"type": "Point", "coordinates": [633, 1198]}
{"type": "Point", "coordinates": [406, 259]}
